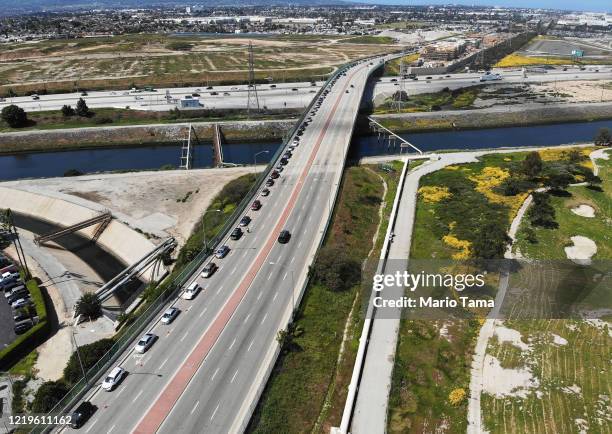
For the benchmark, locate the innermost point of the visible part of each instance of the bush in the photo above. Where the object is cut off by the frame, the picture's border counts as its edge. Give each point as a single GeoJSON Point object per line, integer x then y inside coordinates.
{"type": "Point", "coordinates": [14, 116]}
{"type": "Point", "coordinates": [48, 395]}
{"type": "Point", "coordinates": [542, 212]}
{"type": "Point", "coordinates": [72, 172]}
{"type": "Point", "coordinates": [82, 109]}
{"type": "Point", "coordinates": [90, 354]}
{"type": "Point", "coordinates": [532, 165]}
{"type": "Point", "coordinates": [335, 270]}
{"type": "Point", "coordinates": [603, 137]}
{"type": "Point", "coordinates": [89, 305]}
{"type": "Point", "coordinates": [490, 241]}
{"type": "Point", "coordinates": [67, 111]}
{"type": "Point", "coordinates": [179, 46]}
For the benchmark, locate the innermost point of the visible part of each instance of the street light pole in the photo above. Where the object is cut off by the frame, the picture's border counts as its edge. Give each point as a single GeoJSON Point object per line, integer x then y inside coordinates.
{"type": "Point", "coordinates": [79, 357]}
{"type": "Point", "coordinates": [204, 227]}
{"type": "Point", "coordinates": [255, 157]}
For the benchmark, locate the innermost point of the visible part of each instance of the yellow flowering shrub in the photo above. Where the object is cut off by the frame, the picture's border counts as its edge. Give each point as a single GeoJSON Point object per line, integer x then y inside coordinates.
{"type": "Point", "coordinates": [463, 245]}
{"type": "Point", "coordinates": [491, 177]}
{"type": "Point", "coordinates": [452, 167]}
{"type": "Point", "coordinates": [456, 396]}
{"type": "Point", "coordinates": [514, 60]}
{"type": "Point", "coordinates": [433, 194]}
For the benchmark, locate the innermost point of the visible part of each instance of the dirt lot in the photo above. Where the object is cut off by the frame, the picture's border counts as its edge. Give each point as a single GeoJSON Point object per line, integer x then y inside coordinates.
{"type": "Point", "coordinates": [158, 203]}
{"type": "Point", "coordinates": [156, 57]}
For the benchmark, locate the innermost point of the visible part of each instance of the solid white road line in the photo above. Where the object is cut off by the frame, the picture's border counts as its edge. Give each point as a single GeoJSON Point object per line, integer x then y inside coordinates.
{"type": "Point", "coordinates": [194, 407]}
{"type": "Point", "coordinates": [234, 376]}
{"type": "Point", "coordinates": [214, 375]}
{"type": "Point", "coordinates": [264, 318]}
{"type": "Point", "coordinates": [233, 342]}
{"type": "Point", "coordinates": [214, 412]}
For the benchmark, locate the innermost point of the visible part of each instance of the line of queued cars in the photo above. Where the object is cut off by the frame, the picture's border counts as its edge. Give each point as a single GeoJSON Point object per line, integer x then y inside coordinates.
{"type": "Point", "coordinates": [116, 376]}
{"type": "Point", "coordinates": [17, 296]}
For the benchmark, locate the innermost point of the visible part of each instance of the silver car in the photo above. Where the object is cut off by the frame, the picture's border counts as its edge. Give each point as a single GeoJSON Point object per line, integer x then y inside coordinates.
{"type": "Point", "coordinates": [145, 343]}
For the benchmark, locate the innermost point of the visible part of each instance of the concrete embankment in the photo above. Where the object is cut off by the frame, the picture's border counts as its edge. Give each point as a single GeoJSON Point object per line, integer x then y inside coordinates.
{"type": "Point", "coordinates": [493, 117]}
{"type": "Point", "coordinates": [118, 239]}
{"type": "Point", "coordinates": [134, 135]}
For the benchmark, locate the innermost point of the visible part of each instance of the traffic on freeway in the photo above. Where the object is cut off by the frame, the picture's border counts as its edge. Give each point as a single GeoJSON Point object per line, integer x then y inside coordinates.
{"type": "Point", "coordinates": [211, 356]}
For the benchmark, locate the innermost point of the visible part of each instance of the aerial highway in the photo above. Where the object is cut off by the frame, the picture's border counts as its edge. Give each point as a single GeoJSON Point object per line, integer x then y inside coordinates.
{"type": "Point", "coordinates": [209, 366]}
{"type": "Point", "coordinates": [287, 95]}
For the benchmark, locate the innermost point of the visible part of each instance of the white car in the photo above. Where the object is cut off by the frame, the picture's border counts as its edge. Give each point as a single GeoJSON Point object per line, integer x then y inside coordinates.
{"type": "Point", "coordinates": [114, 378]}
{"type": "Point", "coordinates": [20, 303]}
{"type": "Point", "coordinates": [169, 315]}
{"type": "Point", "coordinates": [191, 291]}
{"type": "Point", "coordinates": [145, 343]}
{"type": "Point", "coordinates": [8, 276]}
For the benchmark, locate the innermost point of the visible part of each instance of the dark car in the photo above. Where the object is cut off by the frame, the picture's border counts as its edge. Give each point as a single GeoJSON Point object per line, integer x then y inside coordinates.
{"type": "Point", "coordinates": [274, 174]}
{"type": "Point", "coordinates": [83, 93]}
{"type": "Point", "coordinates": [222, 252]}
{"type": "Point", "coordinates": [284, 161]}
{"type": "Point", "coordinates": [284, 237]}
{"type": "Point", "coordinates": [214, 93]}
{"type": "Point", "coordinates": [265, 192]}
{"type": "Point", "coordinates": [269, 182]}
{"type": "Point", "coordinates": [236, 234]}
{"type": "Point", "coordinates": [24, 293]}
{"type": "Point", "coordinates": [195, 94]}
{"type": "Point", "coordinates": [20, 315]}
{"type": "Point", "coordinates": [294, 89]}
{"type": "Point", "coordinates": [81, 414]}
{"type": "Point", "coordinates": [23, 327]}
{"type": "Point", "coordinates": [209, 270]}
{"type": "Point", "coordinates": [287, 155]}
{"type": "Point", "coordinates": [244, 221]}
{"type": "Point", "coordinates": [256, 205]}
{"type": "Point", "coordinates": [272, 86]}
{"type": "Point", "coordinates": [347, 91]}
{"type": "Point", "coordinates": [209, 87]}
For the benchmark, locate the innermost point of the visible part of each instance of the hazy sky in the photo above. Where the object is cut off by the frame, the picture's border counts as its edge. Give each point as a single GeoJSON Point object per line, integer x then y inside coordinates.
{"type": "Point", "coordinates": [590, 5]}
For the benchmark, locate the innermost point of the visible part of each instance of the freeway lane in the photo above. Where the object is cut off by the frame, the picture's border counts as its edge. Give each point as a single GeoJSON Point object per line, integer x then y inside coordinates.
{"type": "Point", "coordinates": [236, 366]}
{"type": "Point", "coordinates": [284, 95]}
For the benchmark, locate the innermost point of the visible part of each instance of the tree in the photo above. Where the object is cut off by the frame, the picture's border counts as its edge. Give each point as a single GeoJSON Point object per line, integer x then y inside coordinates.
{"type": "Point", "coordinates": [14, 116]}
{"type": "Point", "coordinates": [48, 395]}
{"type": "Point", "coordinates": [603, 137]}
{"type": "Point", "coordinates": [532, 165]}
{"type": "Point", "coordinates": [89, 305]}
{"type": "Point", "coordinates": [542, 212]}
{"type": "Point", "coordinates": [336, 270]}
{"type": "Point", "coordinates": [559, 180]}
{"type": "Point", "coordinates": [67, 111]}
{"type": "Point", "coordinates": [490, 241]}
{"type": "Point", "coordinates": [90, 354]}
{"type": "Point", "coordinates": [81, 108]}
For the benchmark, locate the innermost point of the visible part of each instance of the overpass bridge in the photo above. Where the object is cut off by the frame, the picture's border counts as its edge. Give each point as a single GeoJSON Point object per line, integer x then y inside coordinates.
{"type": "Point", "coordinates": [210, 365]}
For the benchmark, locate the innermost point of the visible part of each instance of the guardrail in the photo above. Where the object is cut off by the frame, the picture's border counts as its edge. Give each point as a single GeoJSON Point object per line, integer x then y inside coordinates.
{"type": "Point", "coordinates": [143, 320]}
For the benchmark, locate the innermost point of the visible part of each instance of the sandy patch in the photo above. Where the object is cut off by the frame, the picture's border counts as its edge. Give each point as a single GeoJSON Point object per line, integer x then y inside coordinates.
{"type": "Point", "coordinates": [577, 90]}
{"type": "Point", "coordinates": [582, 250]}
{"type": "Point", "coordinates": [583, 426]}
{"type": "Point", "coordinates": [558, 340]}
{"type": "Point", "coordinates": [512, 336]}
{"type": "Point", "coordinates": [160, 203]}
{"type": "Point", "coordinates": [584, 211]}
{"type": "Point", "coordinates": [575, 389]}
{"type": "Point", "coordinates": [501, 382]}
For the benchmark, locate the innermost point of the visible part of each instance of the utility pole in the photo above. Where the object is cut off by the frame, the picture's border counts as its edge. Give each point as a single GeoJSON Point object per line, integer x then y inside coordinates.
{"type": "Point", "coordinates": [252, 98]}
{"type": "Point", "coordinates": [17, 243]}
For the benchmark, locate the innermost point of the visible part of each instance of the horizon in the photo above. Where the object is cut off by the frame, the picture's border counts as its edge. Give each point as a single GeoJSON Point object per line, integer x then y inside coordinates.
{"type": "Point", "coordinates": [598, 6]}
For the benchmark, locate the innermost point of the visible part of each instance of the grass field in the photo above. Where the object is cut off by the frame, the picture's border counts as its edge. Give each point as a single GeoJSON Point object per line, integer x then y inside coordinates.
{"type": "Point", "coordinates": [514, 60]}
{"type": "Point", "coordinates": [568, 358]}
{"type": "Point", "coordinates": [444, 100]}
{"type": "Point", "coordinates": [158, 60]}
{"type": "Point", "coordinates": [432, 364]}
{"type": "Point", "coordinates": [393, 67]}
{"type": "Point", "coordinates": [306, 391]}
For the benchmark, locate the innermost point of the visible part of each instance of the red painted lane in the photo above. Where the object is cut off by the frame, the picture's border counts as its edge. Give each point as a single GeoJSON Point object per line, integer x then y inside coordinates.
{"type": "Point", "coordinates": [158, 412]}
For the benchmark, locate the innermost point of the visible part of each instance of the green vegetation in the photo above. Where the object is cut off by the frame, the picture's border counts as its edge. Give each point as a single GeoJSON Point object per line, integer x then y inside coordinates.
{"type": "Point", "coordinates": [443, 100]}
{"type": "Point", "coordinates": [226, 201]}
{"type": "Point", "coordinates": [89, 305]}
{"type": "Point", "coordinates": [14, 116]}
{"type": "Point", "coordinates": [547, 242]}
{"type": "Point", "coordinates": [603, 137]}
{"type": "Point", "coordinates": [90, 355]}
{"type": "Point", "coordinates": [370, 40]}
{"type": "Point", "coordinates": [25, 367]}
{"type": "Point", "coordinates": [48, 395]}
{"type": "Point", "coordinates": [463, 212]}
{"type": "Point", "coordinates": [393, 67]}
{"type": "Point", "coordinates": [306, 391]}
